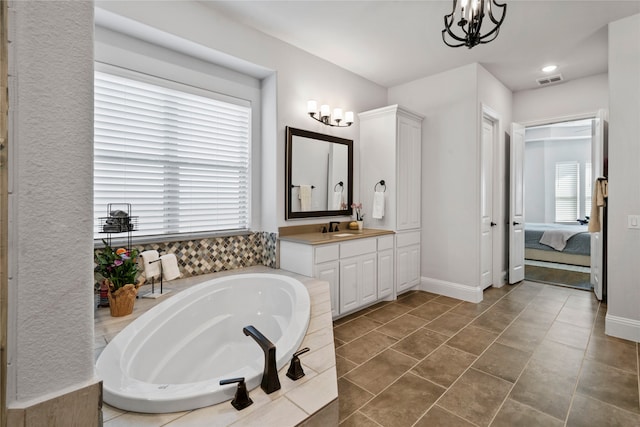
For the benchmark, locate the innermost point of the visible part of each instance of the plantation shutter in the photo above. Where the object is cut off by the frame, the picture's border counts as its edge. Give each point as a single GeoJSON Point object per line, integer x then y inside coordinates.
{"type": "Point", "coordinates": [567, 181]}
{"type": "Point", "coordinates": [180, 158]}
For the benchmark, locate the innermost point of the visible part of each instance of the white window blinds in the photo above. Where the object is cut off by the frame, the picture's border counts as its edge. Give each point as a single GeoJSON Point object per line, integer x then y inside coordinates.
{"type": "Point", "coordinates": [567, 185]}
{"type": "Point", "coordinates": [179, 158]}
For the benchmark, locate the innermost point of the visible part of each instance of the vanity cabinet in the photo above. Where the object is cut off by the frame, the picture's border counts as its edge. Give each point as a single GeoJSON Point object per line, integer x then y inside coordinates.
{"type": "Point", "coordinates": [359, 271]}
{"type": "Point", "coordinates": [390, 150]}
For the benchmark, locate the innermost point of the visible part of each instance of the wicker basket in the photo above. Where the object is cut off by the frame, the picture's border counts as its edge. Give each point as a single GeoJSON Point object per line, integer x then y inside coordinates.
{"type": "Point", "coordinates": [121, 301]}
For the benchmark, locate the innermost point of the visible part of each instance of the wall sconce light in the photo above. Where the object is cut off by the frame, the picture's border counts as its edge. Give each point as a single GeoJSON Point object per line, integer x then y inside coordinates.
{"type": "Point", "coordinates": [324, 116]}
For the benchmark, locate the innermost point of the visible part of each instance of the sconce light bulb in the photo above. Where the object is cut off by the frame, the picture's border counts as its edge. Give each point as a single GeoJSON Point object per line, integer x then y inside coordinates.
{"type": "Point", "coordinates": [325, 111]}
{"type": "Point", "coordinates": [312, 107]}
{"type": "Point", "coordinates": [348, 117]}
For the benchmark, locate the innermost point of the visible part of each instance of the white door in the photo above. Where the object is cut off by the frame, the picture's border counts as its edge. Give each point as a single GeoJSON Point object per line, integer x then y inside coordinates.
{"type": "Point", "coordinates": [349, 298]}
{"type": "Point", "coordinates": [368, 269]}
{"type": "Point", "coordinates": [516, 204]}
{"type": "Point", "coordinates": [597, 158]}
{"type": "Point", "coordinates": [385, 273]}
{"type": "Point", "coordinates": [486, 204]}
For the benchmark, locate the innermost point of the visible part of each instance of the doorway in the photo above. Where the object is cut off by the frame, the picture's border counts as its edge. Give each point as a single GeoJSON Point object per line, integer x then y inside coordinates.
{"type": "Point", "coordinates": [558, 178]}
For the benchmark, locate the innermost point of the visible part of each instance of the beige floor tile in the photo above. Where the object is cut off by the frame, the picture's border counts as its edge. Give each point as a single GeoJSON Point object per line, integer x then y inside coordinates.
{"type": "Point", "coordinates": [472, 340]}
{"type": "Point", "coordinates": [618, 353]}
{"type": "Point", "coordinates": [364, 348]}
{"type": "Point", "coordinates": [503, 362]}
{"type": "Point", "coordinates": [388, 312]}
{"type": "Point", "coordinates": [451, 302]}
{"type": "Point", "coordinates": [430, 310]}
{"type": "Point", "coordinates": [351, 397]}
{"type": "Point", "coordinates": [476, 397]}
{"type": "Point", "coordinates": [404, 402]}
{"type": "Point", "coordinates": [470, 309]}
{"type": "Point", "coordinates": [438, 417]}
{"type": "Point", "coordinates": [343, 365]}
{"type": "Point", "coordinates": [574, 336]}
{"type": "Point", "coordinates": [587, 412]}
{"type": "Point", "coordinates": [444, 365]}
{"type": "Point", "coordinates": [402, 326]}
{"type": "Point", "coordinates": [448, 324]}
{"type": "Point", "coordinates": [380, 371]}
{"type": "Point", "coordinates": [510, 306]}
{"type": "Point", "coordinates": [577, 317]}
{"type": "Point", "coordinates": [416, 299]}
{"type": "Point", "coordinates": [514, 414]}
{"type": "Point", "coordinates": [355, 329]}
{"type": "Point", "coordinates": [358, 419]}
{"type": "Point", "coordinates": [494, 320]}
{"type": "Point", "coordinates": [544, 389]}
{"type": "Point", "coordinates": [609, 385]}
{"type": "Point", "coordinates": [420, 343]}
{"type": "Point", "coordinates": [522, 336]}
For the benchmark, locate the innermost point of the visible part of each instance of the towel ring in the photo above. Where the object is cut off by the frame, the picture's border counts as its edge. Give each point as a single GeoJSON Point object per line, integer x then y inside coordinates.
{"type": "Point", "coordinates": [341, 184]}
{"type": "Point", "coordinates": [381, 182]}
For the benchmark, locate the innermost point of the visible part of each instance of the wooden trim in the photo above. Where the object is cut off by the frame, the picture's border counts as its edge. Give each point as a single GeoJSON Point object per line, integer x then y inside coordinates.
{"type": "Point", "coordinates": [4, 198]}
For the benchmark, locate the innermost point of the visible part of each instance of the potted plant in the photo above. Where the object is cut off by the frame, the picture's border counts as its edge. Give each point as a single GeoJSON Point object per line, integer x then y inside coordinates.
{"type": "Point", "coordinates": [357, 207]}
{"type": "Point", "coordinates": [119, 269]}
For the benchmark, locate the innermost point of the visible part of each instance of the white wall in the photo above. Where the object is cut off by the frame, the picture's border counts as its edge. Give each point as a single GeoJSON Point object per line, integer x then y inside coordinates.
{"type": "Point", "coordinates": [296, 77]}
{"type": "Point", "coordinates": [449, 172]}
{"type": "Point", "coordinates": [50, 307]}
{"type": "Point", "coordinates": [580, 97]}
{"type": "Point", "coordinates": [452, 103]}
{"type": "Point", "coordinates": [623, 315]}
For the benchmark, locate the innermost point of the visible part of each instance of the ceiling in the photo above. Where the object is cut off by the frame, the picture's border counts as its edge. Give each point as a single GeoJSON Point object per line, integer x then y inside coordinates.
{"type": "Point", "coordinates": [394, 42]}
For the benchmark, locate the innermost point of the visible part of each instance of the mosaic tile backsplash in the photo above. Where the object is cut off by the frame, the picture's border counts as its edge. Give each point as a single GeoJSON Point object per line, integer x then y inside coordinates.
{"type": "Point", "coordinates": [211, 255]}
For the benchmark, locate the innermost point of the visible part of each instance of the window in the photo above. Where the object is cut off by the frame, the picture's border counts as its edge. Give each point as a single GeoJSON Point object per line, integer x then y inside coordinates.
{"type": "Point", "coordinates": [179, 155]}
{"type": "Point", "coordinates": [567, 194]}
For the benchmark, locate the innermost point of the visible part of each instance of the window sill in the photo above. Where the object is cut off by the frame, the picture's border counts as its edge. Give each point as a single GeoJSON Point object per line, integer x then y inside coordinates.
{"type": "Point", "coordinates": [121, 239]}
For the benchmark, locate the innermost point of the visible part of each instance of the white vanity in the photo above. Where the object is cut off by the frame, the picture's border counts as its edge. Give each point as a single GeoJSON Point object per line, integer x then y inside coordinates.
{"type": "Point", "coordinates": [359, 266]}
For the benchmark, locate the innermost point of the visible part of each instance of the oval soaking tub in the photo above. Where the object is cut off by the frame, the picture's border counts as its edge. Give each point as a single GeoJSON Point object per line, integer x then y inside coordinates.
{"type": "Point", "coordinates": [173, 357]}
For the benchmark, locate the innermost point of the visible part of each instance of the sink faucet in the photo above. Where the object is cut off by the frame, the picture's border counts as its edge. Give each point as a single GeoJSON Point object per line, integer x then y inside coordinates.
{"type": "Point", "coordinates": [331, 226]}
{"type": "Point", "coordinates": [270, 381]}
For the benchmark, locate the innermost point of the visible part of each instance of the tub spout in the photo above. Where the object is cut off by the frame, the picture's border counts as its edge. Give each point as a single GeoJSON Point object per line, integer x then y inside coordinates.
{"type": "Point", "coordinates": [270, 381]}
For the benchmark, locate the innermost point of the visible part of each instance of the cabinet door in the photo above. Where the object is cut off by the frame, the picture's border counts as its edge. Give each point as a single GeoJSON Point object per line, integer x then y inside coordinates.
{"type": "Point", "coordinates": [385, 273]}
{"type": "Point", "coordinates": [368, 278]}
{"type": "Point", "coordinates": [408, 267]}
{"type": "Point", "coordinates": [408, 173]}
{"type": "Point", "coordinates": [329, 272]}
{"type": "Point", "coordinates": [348, 285]}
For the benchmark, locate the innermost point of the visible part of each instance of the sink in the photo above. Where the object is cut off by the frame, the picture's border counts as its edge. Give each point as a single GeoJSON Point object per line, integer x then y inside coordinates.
{"type": "Point", "coordinates": [342, 235]}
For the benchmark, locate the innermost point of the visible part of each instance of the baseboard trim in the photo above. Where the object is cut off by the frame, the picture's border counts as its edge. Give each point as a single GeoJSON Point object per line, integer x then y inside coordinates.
{"type": "Point", "coordinates": [621, 327]}
{"type": "Point", "coordinates": [450, 289]}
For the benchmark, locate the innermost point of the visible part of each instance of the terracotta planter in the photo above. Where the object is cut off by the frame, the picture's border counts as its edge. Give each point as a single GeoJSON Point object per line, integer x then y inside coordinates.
{"type": "Point", "coordinates": [121, 301]}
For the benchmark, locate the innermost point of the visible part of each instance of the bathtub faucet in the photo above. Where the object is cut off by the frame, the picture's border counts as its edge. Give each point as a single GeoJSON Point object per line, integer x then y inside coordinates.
{"type": "Point", "coordinates": [270, 381]}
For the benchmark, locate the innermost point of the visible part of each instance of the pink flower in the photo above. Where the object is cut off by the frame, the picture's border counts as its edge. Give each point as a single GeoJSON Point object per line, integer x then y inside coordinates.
{"type": "Point", "coordinates": [118, 262]}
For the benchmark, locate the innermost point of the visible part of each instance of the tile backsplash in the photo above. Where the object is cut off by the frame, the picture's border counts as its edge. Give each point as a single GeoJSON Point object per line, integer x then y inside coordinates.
{"type": "Point", "coordinates": [211, 255]}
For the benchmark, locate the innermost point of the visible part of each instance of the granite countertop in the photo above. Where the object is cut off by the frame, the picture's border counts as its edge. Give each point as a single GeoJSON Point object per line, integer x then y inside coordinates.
{"type": "Point", "coordinates": [318, 238]}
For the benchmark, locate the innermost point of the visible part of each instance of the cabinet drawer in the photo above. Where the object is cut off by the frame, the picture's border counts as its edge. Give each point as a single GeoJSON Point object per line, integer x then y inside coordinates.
{"type": "Point", "coordinates": [385, 242]}
{"type": "Point", "coordinates": [406, 239]}
{"type": "Point", "coordinates": [357, 247]}
{"type": "Point", "coordinates": [327, 253]}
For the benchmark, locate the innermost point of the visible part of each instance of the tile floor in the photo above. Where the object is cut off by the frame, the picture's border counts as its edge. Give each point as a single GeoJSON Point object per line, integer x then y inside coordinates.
{"type": "Point", "coordinates": [528, 355]}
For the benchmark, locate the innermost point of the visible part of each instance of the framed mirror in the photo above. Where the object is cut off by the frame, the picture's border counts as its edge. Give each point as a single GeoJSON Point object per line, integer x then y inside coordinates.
{"type": "Point", "coordinates": [319, 176]}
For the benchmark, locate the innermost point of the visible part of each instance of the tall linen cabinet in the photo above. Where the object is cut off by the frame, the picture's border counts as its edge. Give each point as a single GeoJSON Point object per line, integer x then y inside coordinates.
{"type": "Point", "coordinates": [390, 151]}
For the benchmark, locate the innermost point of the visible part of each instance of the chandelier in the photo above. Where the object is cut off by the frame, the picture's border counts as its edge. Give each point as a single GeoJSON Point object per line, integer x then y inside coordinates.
{"type": "Point", "coordinates": [471, 15]}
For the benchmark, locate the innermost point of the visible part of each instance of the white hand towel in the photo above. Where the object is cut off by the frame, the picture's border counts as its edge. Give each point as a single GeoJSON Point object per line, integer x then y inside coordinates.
{"type": "Point", "coordinates": [336, 201]}
{"type": "Point", "coordinates": [170, 268]}
{"type": "Point", "coordinates": [305, 197]}
{"type": "Point", "coordinates": [151, 266]}
{"type": "Point", "coordinates": [378, 205]}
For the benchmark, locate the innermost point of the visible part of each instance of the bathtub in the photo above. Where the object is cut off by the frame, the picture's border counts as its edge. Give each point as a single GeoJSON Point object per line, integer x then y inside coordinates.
{"type": "Point", "coordinates": [173, 357]}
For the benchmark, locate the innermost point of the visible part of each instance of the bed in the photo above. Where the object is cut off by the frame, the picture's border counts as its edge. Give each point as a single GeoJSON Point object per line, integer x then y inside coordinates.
{"type": "Point", "coordinates": [576, 249]}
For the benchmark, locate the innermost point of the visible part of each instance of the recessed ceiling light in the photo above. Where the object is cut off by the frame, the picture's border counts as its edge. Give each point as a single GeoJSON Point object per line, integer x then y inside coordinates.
{"type": "Point", "coordinates": [549, 68]}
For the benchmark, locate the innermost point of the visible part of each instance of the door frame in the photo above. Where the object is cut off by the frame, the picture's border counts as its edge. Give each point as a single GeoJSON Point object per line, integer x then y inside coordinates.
{"type": "Point", "coordinates": [498, 272]}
